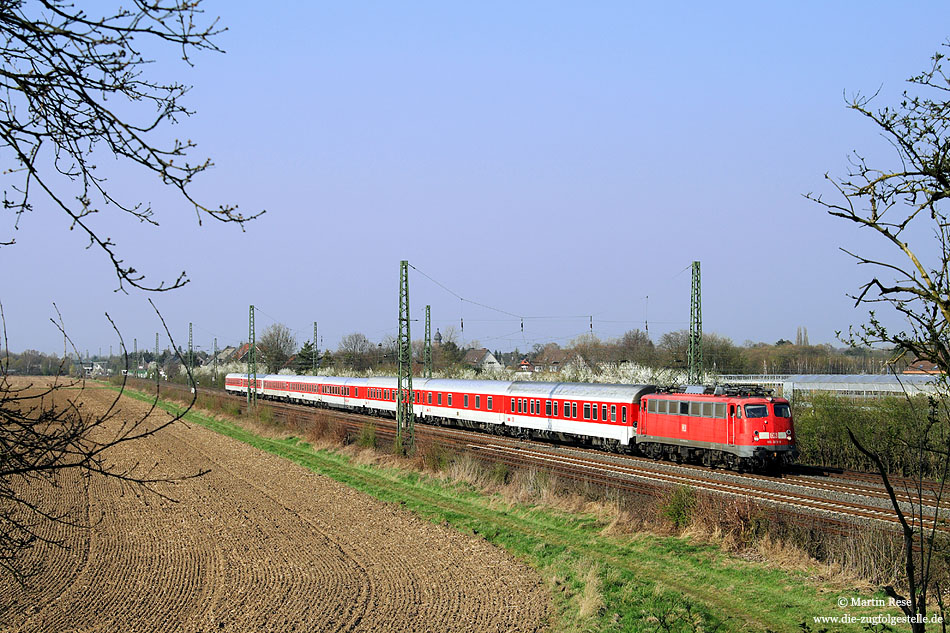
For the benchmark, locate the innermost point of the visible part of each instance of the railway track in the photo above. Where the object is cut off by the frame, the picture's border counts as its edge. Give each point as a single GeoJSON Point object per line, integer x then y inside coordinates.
{"type": "Point", "coordinates": [838, 502]}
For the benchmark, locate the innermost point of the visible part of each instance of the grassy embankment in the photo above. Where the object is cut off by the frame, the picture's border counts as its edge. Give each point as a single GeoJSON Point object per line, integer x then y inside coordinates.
{"type": "Point", "coordinates": [601, 578]}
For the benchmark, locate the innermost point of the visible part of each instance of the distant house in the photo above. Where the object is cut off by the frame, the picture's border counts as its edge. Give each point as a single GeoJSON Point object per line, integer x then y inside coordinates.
{"type": "Point", "coordinates": [240, 355]}
{"type": "Point", "coordinates": [527, 366]}
{"type": "Point", "coordinates": [225, 355]}
{"type": "Point", "coordinates": [922, 367]}
{"type": "Point", "coordinates": [551, 360]}
{"type": "Point", "coordinates": [481, 359]}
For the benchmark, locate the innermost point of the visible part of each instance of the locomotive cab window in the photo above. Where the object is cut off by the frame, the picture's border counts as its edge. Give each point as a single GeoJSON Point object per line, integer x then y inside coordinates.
{"type": "Point", "coordinates": [756, 410]}
{"type": "Point", "coordinates": [782, 410]}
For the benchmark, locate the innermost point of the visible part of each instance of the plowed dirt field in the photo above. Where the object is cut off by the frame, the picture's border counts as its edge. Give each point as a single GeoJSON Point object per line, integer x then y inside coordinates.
{"type": "Point", "coordinates": [257, 544]}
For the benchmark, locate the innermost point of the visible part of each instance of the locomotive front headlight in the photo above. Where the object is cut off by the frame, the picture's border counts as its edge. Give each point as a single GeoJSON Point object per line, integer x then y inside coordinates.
{"type": "Point", "coordinates": [755, 436]}
{"type": "Point", "coordinates": [788, 433]}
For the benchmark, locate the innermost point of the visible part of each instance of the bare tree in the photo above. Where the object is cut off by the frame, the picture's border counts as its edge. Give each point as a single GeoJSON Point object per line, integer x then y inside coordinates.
{"type": "Point", "coordinates": [905, 205]}
{"type": "Point", "coordinates": [45, 430]}
{"type": "Point", "coordinates": [73, 89]}
{"type": "Point", "coordinates": [356, 351]}
{"type": "Point", "coordinates": [277, 344]}
{"type": "Point", "coordinates": [73, 86]}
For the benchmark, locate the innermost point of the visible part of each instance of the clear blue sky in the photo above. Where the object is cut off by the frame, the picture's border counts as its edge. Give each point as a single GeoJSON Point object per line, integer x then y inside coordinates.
{"type": "Point", "coordinates": [547, 158]}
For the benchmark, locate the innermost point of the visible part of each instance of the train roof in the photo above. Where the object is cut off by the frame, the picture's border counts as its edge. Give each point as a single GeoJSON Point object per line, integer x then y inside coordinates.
{"type": "Point", "coordinates": [499, 387]}
{"type": "Point", "coordinates": [626, 393]}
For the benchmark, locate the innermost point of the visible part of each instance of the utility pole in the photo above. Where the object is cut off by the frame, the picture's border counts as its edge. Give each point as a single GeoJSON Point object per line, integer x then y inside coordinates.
{"type": "Point", "coordinates": [215, 347]}
{"type": "Point", "coordinates": [695, 353]}
{"type": "Point", "coordinates": [191, 350]}
{"type": "Point", "coordinates": [405, 414]}
{"type": "Point", "coordinates": [427, 350]}
{"type": "Point", "coordinates": [156, 356]}
{"type": "Point", "coordinates": [251, 362]}
{"type": "Point", "coordinates": [135, 356]}
{"type": "Point", "coordinates": [315, 350]}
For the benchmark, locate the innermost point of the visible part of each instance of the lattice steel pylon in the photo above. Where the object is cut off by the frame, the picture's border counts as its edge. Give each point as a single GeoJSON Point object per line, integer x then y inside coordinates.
{"type": "Point", "coordinates": [694, 355]}
{"type": "Point", "coordinates": [405, 416]}
{"type": "Point", "coordinates": [251, 362]}
{"type": "Point", "coordinates": [427, 349]}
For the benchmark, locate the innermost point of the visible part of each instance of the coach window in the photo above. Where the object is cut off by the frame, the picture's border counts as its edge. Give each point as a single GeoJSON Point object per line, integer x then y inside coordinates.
{"type": "Point", "coordinates": [449, 399]}
{"type": "Point", "coordinates": [532, 407]}
{"type": "Point", "coordinates": [439, 398]}
{"type": "Point", "coordinates": [430, 397]}
{"type": "Point", "coordinates": [567, 409]}
{"type": "Point", "coordinates": [489, 403]}
{"type": "Point", "coordinates": [547, 408]}
{"type": "Point", "coordinates": [516, 401]}
{"type": "Point", "coordinates": [465, 400]}
{"type": "Point", "coordinates": [594, 412]}
{"type": "Point", "coordinates": [478, 402]}
{"type": "Point", "coordinates": [613, 413]}
{"type": "Point", "coordinates": [573, 409]}
{"type": "Point", "coordinates": [586, 411]}
{"type": "Point", "coordinates": [623, 414]}
{"type": "Point", "coordinates": [512, 405]}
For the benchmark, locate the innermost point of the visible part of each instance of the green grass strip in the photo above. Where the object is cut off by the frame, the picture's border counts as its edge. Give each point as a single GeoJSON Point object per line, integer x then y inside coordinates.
{"type": "Point", "coordinates": [643, 582]}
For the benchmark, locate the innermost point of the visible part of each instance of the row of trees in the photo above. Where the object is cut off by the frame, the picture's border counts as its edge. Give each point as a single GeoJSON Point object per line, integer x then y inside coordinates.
{"type": "Point", "coordinates": [278, 350]}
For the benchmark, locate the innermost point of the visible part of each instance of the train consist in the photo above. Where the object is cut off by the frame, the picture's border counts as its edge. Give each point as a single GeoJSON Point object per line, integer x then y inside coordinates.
{"type": "Point", "coordinates": [729, 427]}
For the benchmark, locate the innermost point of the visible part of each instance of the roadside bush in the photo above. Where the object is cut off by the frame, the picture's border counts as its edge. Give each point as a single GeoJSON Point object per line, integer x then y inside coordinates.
{"type": "Point", "coordinates": [367, 438]}
{"type": "Point", "coordinates": [434, 457]}
{"type": "Point", "coordinates": [499, 474]}
{"type": "Point", "coordinates": [678, 507]}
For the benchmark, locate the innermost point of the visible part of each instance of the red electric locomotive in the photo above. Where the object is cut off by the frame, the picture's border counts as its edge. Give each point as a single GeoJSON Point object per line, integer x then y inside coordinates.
{"type": "Point", "coordinates": [722, 426]}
